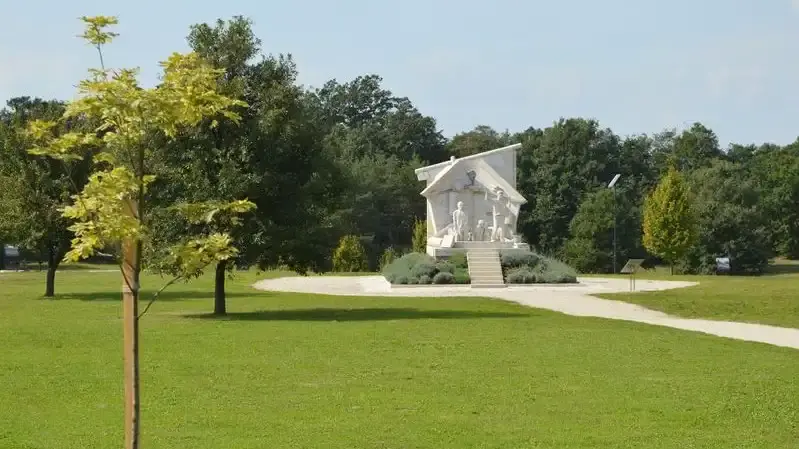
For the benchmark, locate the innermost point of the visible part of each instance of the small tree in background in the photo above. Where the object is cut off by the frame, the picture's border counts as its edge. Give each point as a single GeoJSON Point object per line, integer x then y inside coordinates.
{"type": "Point", "coordinates": [350, 256]}
{"type": "Point", "coordinates": [35, 189]}
{"type": "Point", "coordinates": [419, 241]}
{"type": "Point", "coordinates": [670, 226]}
{"type": "Point", "coordinates": [389, 255]}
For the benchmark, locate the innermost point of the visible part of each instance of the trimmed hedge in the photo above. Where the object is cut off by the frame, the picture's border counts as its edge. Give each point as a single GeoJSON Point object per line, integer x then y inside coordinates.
{"type": "Point", "coordinates": [418, 268]}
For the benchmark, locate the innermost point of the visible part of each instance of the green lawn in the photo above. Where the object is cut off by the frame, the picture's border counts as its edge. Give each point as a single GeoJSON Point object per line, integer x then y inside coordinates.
{"type": "Point", "coordinates": [769, 299]}
{"type": "Point", "coordinates": [300, 371]}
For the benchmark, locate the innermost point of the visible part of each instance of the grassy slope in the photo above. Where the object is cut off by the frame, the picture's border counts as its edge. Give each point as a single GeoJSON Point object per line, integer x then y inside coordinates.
{"type": "Point", "coordinates": [300, 371]}
{"type": "Point", "coordinates": [768, 299]}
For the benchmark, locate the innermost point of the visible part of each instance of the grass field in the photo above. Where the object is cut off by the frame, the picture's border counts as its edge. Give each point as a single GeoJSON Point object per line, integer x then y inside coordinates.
{"type": "Point", "coordinates": [769, 299]}
{"type": "Point", "coordinates": [301, 371]}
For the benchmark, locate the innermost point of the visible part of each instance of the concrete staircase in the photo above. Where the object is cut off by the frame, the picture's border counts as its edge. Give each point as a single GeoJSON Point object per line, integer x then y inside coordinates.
{"type": "Point", "coordinates": [485, 269]}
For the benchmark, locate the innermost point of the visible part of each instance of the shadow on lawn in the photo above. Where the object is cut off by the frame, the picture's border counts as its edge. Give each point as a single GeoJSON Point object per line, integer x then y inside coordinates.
{"type": "Point", "coordinates": [330, 314]}
{"type": "Point", "coordinates": [782, 268]}
{"type": "Point", "coordinates": [167, 295]}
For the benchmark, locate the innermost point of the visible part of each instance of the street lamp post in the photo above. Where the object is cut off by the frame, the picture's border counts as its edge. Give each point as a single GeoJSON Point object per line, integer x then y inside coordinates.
{"type": "Point", "coordinates": [612, 185]}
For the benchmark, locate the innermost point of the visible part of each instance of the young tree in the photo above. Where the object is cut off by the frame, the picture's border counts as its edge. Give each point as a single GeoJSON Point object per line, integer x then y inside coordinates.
{"type": "Point", "coordinates": [113, 208]}
{"type": "Point", "coordinates": [419, 240]}
{"type": "Point", "coordinates": [669, 224]}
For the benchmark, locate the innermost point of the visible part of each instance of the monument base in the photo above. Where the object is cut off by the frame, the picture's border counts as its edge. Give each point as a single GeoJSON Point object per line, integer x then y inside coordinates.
{"type": "Point", "coordinates": [463, 247]}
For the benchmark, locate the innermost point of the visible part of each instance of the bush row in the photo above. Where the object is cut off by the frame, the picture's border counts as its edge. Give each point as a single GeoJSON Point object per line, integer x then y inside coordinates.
{"type": "Point", "coordinates": [418, 268]}
{"type": "Point", "coordinates": [526, 267]}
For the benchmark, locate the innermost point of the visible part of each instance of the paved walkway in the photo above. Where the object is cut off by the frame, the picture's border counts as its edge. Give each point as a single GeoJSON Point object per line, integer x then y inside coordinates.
{"type": "Point", "coordinates": [569, 299]}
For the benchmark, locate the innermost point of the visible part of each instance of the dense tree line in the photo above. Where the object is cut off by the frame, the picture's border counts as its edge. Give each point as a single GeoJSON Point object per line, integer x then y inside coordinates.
{"type": "Point", "coordinates": [323, 163]}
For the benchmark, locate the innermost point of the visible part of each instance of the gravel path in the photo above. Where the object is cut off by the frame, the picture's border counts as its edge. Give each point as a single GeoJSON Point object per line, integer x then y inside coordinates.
{"type": "Point", "coordinates": [569, 299]}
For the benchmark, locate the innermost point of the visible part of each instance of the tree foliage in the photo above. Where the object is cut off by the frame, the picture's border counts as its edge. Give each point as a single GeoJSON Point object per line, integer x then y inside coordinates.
{"type": "Point", "coordinates": [36, 189]}
{"type": "Point", "coordinates": [729, 221]}
{"type": "Point", "coordinates": [590, 246]}
{"type": "Point", "coordinates": [669, 221]}
{"type": "Point", "coordinates": [350, 256]}
{"type": "Point", "coordinates": [419, 244]}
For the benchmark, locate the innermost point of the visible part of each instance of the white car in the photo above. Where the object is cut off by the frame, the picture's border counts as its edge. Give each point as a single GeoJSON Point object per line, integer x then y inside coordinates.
{"type": "Point", "coordinates": [11, 251]}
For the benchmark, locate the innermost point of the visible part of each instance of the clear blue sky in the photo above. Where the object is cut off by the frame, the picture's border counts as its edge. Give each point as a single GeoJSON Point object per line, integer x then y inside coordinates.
{"type": "Point", "coordinates": [637, 66]}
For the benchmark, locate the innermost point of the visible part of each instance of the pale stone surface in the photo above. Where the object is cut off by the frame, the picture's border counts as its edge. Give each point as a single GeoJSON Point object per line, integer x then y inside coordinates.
{"type": "Point", "coordinates": [571, 299]}
{"type": "Point", "coordinates": [473, 198]}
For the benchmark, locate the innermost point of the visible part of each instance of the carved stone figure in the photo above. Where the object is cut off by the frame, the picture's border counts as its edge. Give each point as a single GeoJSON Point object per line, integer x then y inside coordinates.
{"type": "Point", "coordinates": [459, 222]}
{"type": "Point", "coordinates": [480, 231]}
{"type": "Point", "coordinates": [498, 212]}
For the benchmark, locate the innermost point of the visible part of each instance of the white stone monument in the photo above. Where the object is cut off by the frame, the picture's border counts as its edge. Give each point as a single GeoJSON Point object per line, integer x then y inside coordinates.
{"type": "Point", "coordinates": [472, 201]}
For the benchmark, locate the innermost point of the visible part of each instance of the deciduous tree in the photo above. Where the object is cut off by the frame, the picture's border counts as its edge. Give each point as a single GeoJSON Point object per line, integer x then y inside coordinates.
{"type": "Point", "coordinates": [35, 189]}
{"type": "Point", "coordinates": [669, 225]}
{"type": "Point", "coordinates": [112, 208]}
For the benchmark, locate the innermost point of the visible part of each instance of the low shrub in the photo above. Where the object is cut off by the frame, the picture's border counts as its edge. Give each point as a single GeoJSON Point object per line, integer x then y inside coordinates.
{"type": "Point", "coordinates": [388, 256]}
{"type": "Point", "coordinates": [459, 260]}
{"type": "Point", "coordinates": [462, 276]}
{"type": "Point", "coordinates": [444, 278]}
{"type": "Point", "coordinates": [418, 268]}
{"type": "Point", "coordinates": [526, 267]}
{"type": "Point", "coordinates": [551, 271]}
{"type": "Point", "coordinates": [445, 267]}
{"type": "Point", "coordinates": [404, 265]}
{"type": "Point", "coordinates": [423, 269]}
{"type": "Point", "coordinates": [518, 258]}
{"type": "Point", "coordinates": [521, 275]}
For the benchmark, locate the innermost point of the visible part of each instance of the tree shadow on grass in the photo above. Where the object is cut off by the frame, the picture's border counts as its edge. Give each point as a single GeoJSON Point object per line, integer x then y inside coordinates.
{"type": "Point", "coordinates": [167, 295]}
{"type": "Point", "coordinates": [335, 314]}
{"type": "Point", "coordinates": [782, 268]}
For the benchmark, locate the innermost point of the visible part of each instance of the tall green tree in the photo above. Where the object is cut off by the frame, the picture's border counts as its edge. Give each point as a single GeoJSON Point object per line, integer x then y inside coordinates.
{"type": "Point", "coordinates": [574, 157]}
{"type": "Point", "coordinates": [774, 172]}
{"type": "Point", "coordinates": [377, 139]}
{"type": "Point", "coordinates": [669, 224]}
{"type": "Point", "coordinates": [481, 138]}
{"type": "Point", "coordinates": [693, 148]}
{"type": "Point", "coordinates": [113, 208]}
{"type": "Point", "coordinates": [526, 182]}
{"type": "Point", "coordinates": [730, 221]}
{"type": "Point", "coordinates": [35, 189]}
{"type": "Point", "coordinates": [273, 156]}
{"type": "Point", "coordinates": [590, 246]}
{"type": "Point", "coordinates": [363, 119]}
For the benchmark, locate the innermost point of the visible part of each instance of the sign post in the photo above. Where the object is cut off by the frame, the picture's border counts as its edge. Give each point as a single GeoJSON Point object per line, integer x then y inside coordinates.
{"type": "Point", "coordinates": [631, 267]}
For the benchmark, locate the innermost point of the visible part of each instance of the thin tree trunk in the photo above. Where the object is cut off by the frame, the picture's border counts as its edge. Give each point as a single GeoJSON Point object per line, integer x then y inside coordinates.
{"type": "Point", "coordinates": [52, 266]}
{"type": "Point", "coordinates": [131, 253]}
{"type": "Point", "coordinates": [219, 288]}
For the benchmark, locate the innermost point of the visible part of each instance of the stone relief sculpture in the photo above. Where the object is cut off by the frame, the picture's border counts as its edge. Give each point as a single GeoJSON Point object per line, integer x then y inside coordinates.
{"type": "Point", "coordinates": [486, 182]}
